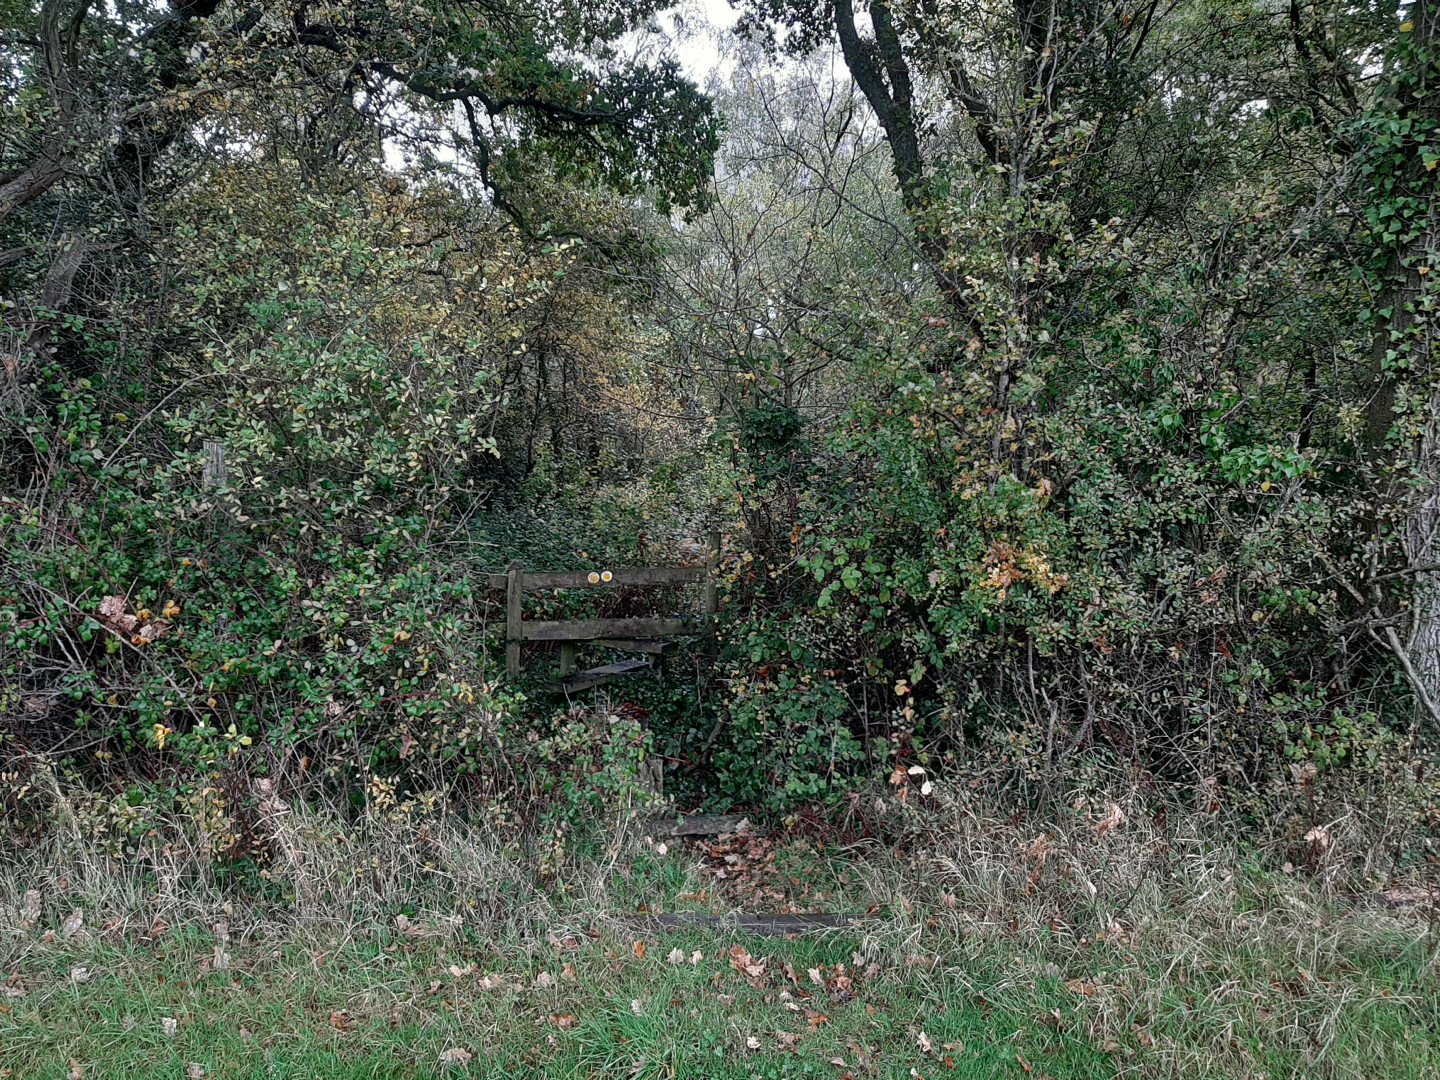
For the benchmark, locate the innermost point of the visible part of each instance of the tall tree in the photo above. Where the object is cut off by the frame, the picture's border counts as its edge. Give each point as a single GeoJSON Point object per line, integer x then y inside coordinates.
{"type": "Point", "coordinates": [1397, 148]}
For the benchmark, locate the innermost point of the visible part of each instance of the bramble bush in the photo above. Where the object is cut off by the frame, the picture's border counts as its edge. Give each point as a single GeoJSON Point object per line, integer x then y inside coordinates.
{"type": "Point", "coordinates": [318, 615]}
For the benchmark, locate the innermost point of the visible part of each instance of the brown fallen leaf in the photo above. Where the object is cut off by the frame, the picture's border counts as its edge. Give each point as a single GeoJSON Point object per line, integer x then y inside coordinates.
{"type": "Point", "coordinates": [568, 972]}
{"type": "Point", "coordinates": [926, 1046]}
{"type": "Point", "coordinates": [1113, 819]}
{"type": "Point", "coordinates": [564, 1021]}
{"type": "Point", "coordinates": [743, 962]}
{"type": "Point", "coordinates": [75, 1071]}
{"type": "Point", "coordinates": [455, 1057]}
{"type": "Point", "coordinates": [194, 1070]}
{"type": "Point", "coordinates": [74, 923]}
{"type": "Point", "coordinates": [340, 1020]}
{"type": "Point", "coordinates": [639, 948]}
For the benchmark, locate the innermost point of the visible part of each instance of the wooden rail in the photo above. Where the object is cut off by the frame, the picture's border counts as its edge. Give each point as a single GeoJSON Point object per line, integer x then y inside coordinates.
{"type": "Point", "coordinates": [630, 635]}
{"type": "Point", "coordinates": [591, 629]}
{"type": "Point", "coordinates": [580, 579]}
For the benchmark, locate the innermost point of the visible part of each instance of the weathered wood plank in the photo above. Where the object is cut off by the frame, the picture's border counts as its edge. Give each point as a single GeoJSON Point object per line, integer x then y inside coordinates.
{"type": "Point", "coordinates": [514, 624]}
{"type": "Point", "coordinates": [764, 925]}
{"type": "Point", "coordinates": [589, 629]}
{"type": "Point", "coordinates": [586, 680]}
{"type": "Point", "coordinates": [695, 825]}
{"type": "Point", "coordinates": [580, 579]}
{"type": "Point", "coordinates": [655, 648]}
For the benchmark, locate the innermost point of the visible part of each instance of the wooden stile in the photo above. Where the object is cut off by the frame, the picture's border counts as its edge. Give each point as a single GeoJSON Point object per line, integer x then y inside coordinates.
{"type": "Point", "coordinates": [629, 635]}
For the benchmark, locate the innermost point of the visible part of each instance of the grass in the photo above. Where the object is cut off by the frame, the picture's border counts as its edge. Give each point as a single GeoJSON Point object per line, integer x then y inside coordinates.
{"type": "Point", "coordinates": [389, 1007]}
{"type": "Point", "coordinates": [1083, 957]}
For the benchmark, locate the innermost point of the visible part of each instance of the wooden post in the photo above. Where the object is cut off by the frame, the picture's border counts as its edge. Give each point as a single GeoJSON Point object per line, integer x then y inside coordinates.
{"type": "Point", "coordinates": [652, 775]}
{"type": "Point", "coordinates": [215, 474]}
{"type": "Point", "coordinates": [712, 592]}
{"type": "Point", "coordinates": [567, 657]}
{"type": "Point", "coordinates": [514, 579]}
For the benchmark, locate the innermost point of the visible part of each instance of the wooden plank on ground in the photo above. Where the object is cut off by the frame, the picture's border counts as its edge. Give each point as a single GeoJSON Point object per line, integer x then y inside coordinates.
{"type": "Point", "coordinates": [765, 925]}
{"type": "Point", "coordinates": [695, 825]}
{"type": "Point", "coordinates": [586, 680]}
{"type": "Point", "coordinates": [589, 629]}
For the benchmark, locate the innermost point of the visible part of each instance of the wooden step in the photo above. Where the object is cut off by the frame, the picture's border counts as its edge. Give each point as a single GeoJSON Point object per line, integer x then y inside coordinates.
{"type": "Point", "coordinates": [695, 825]}
{"type": "Point", "coordinates": [586, 680]}
{"type": "Point", "coordinates": [764, 925]}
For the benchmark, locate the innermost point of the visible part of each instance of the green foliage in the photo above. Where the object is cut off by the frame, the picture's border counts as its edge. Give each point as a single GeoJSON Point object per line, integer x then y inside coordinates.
{"type": "Point", "coordinates": [320, 610]}
{"type": "Point", "coordinates": [1062, 397]}
{"type": "Point", "coordinates": [1104, 494]}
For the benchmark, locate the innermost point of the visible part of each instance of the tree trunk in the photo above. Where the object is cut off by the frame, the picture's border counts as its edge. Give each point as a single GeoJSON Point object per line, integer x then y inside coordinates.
{"type": "Point", "coordinates": [1404, 350]}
